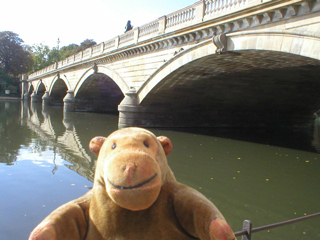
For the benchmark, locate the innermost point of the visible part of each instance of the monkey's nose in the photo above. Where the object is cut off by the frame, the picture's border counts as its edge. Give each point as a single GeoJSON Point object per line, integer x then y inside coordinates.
{"type": "Point", "coordinates": [130, 167]}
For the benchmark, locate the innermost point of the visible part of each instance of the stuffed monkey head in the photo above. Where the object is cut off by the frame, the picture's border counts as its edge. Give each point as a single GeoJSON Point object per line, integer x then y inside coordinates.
{"type": "Point", "coordinates": [132, 166]}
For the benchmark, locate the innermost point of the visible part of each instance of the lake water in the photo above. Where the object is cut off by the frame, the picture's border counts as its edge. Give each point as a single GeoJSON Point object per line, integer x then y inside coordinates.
{"type": "Point", "coordinates": [263, 176]}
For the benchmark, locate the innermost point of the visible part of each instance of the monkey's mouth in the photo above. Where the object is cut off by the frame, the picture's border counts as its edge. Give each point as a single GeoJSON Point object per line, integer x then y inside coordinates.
{"type": "Point", "coordinates": [135, 186]}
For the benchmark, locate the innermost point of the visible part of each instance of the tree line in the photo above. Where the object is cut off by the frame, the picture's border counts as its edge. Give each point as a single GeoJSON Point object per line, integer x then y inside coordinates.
{"type": "Point", "coordinates": [17, 58]}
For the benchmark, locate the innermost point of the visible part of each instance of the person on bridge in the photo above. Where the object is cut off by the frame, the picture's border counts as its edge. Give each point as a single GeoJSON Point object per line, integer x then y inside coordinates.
{"type": "Point", "coordinates": [128, 27]}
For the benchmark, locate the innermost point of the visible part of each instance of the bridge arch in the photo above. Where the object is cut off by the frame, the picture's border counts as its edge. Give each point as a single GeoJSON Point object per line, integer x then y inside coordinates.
{"type": "Point", "coordinates": [30, 88]}
{"type": "Point", "coordinates": [40, 88]}
{"type": "Point", "coordinates": [293, 42]}
{"type": "Point", "coordinates": [201, 50]}
{"type": "Point", "coordinates": [106, 71]}
{"type": "Point", "coordinates": [60, 78]}
{"type": "Point", "coordinates": [58, 89]}
{"type": "Point", "coordinates": [97, 91]}
{"type": "Point", "coordinates": [245, 86]}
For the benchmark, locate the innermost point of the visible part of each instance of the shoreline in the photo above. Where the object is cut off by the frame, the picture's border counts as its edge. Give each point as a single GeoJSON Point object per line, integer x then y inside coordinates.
{"type": "Point", "coordinates": [9, 98]}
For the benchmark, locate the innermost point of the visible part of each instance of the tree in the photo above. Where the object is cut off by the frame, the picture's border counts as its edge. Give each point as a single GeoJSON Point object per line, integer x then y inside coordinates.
{"type": "Point", "coordinates": [40, 56]}
{"type": "Point", "coordinates": [68, 51]}
{"type": "Point", "coordinates": [53, 56]}
{"type": "Point", "coordinates": [86, 44]}
{"type": "Point", "coordinates": [14, 58]}
{"type": "Point", "coordinates": [5, 80]}
{"type": "Point", "coordinates": [43, 56]}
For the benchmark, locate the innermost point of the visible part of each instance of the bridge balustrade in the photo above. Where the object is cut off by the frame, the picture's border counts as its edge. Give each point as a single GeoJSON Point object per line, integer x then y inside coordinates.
{"type": "Point", "coordinates": [181, 17]}
{"type": "Point", "coordinates": [149, 28]}
{"type": "Point", "coordinates": [86, 53]}
{"type": "Point", "coordinates": [126, 37]}
{"type": "Point", "coordinates": [217, 6]}
{"type": "Point", "coordinates": [97, 49]}
{"type": "Point", "coordinates": [78, 57]}
{"type": "Point", "coordinates": [109, 44]}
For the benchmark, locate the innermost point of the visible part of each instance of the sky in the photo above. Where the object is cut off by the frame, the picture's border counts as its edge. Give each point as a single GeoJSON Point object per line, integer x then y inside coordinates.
{"type": "Point", "coordinates": [73, 21]}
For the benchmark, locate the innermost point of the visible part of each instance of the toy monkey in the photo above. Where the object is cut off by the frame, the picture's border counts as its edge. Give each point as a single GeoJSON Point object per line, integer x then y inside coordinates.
{"type": "Point", "coordinates": [135, 196]}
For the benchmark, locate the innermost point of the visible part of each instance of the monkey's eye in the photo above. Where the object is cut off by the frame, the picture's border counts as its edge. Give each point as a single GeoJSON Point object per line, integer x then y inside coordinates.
{"type": "Point", "coordinates": [114, 145]}
{"type": "Point", "coordinates": [146, 144]}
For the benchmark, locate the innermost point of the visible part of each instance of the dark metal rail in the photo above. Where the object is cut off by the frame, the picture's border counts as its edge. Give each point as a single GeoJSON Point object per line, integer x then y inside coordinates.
{"type": "Point", "coordinates": [247, 229]}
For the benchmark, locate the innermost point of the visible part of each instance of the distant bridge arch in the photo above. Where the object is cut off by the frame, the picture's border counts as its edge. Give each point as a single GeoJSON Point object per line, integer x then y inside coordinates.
{"type": "Point", "coordinates": [106, 71]}
{"type": "Point", "coordinates": [56, 79]}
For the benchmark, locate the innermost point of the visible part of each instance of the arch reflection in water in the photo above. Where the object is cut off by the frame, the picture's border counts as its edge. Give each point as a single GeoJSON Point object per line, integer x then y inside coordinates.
{"type": "Point", "coordinates": [66, 133]}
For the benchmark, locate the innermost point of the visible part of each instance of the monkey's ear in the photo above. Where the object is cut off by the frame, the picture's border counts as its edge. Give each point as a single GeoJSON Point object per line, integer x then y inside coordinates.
{"type": "Point", "coordinates": [95, 144]}
{"type": "Point", "coordinates": [166, 144]}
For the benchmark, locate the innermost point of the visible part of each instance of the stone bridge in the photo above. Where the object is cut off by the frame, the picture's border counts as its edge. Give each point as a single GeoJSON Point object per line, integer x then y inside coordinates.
{"type": "Point", "coordinates": [216, 63]}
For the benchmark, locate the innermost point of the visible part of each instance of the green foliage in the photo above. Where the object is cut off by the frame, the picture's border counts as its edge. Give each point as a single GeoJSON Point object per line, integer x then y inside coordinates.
{"type": "Point", "coordinates": [40, 56]}
{"type": "Point", "coordinates": [53, 56]}
{"type": "Point", "coordinates": [5, 80]}
{"type": "Point", "coordinates": [43, 56]}
{"type": "Point", "coordinates": [15, 59]}
{"type": "Point", "coordinates": [86, 44]}
{"type": "Point", "coordinates": [68, 51]}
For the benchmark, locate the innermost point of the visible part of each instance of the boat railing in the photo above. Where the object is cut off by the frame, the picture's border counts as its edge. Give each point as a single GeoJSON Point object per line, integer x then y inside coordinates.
{"type": "Point", "coordinates": [247, 229]}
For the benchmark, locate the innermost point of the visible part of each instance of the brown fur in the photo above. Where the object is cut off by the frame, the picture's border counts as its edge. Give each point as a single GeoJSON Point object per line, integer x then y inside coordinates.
{"type": "Point", "coordinates": [135, 196]}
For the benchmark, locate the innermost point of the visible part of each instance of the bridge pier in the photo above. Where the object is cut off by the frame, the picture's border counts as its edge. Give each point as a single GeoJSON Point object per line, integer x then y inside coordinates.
{"type": "Point", "coordinates": [69, 101]}
{"type": "Point", "coordinates": [24, 86]}
{"type": "Point", "coordinates": [35, 97]}
{"type": "Point", "coordinates": [26, 96]}
{"type": "Point", "coordinates": [46, 98]}
{"type": "Point", "coordinates": [130, 112]}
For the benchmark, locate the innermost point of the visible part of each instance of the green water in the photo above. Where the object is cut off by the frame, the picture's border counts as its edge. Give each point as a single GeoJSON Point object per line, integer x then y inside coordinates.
{"type": "Point", "coordinates": [269, 177]}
